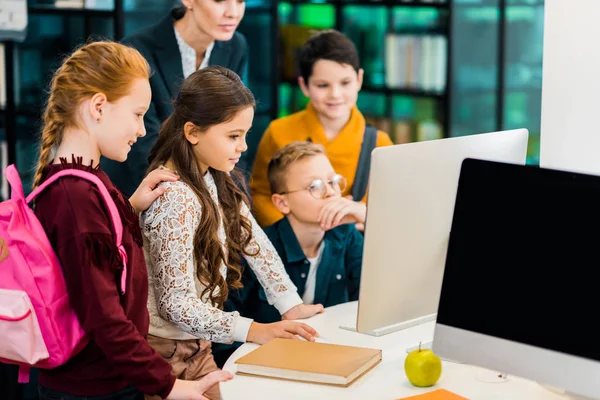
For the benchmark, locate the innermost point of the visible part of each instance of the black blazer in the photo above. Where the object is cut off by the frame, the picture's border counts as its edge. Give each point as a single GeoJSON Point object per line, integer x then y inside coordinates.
{"type": "Point", "coordinates": [158, 45]}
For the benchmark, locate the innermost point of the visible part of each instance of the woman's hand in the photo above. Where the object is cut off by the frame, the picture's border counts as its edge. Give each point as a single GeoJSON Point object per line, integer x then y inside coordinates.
{"type": "Point", "coordinates": [148, 191]}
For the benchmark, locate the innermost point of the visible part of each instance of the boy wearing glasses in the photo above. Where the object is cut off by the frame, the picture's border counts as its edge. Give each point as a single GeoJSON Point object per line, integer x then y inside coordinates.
{"type": "Point", "coordinates": [331, 77]}
{"type": "Point", "coordinates": [316, 239]}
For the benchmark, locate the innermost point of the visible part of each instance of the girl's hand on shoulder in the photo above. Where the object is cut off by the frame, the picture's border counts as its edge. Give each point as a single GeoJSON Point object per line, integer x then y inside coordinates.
{"type": "Point", "coordinates": [148, 191]}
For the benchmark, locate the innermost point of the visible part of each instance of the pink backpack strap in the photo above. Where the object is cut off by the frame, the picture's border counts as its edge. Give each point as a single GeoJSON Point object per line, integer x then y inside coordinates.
{"type": "Point", "coordinates": [24, 372]}
{"type": "Point", "coordinates": [16, 187]}
{"type": "Point", "coordinates": [112, 207]}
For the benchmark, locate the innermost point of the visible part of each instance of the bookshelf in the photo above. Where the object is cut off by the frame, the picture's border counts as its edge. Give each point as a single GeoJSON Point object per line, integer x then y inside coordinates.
{"type": "Point", "coordinates": [491, 68]}
{"type": "Point", "coordinates": [261, 29]}
{"type": "Point", "coordinates": [493, 63]}
{"type": "Point", "coordinates": [497, 68]}
{"type": "Point", "coordinates": [53, 31]}
{"type": "Point", "coordinates": [403, 48]}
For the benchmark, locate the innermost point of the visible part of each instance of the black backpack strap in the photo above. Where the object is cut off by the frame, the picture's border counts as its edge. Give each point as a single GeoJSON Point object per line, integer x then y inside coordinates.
{"type": "Point", "coordinates": [361, 179]}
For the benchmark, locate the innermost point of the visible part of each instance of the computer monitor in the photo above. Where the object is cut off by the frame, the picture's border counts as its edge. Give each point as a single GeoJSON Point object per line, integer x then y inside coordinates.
{"type": "Point", "coordinates": [520, 288]}
{"type": "Point", "coordinates": [412, 188]}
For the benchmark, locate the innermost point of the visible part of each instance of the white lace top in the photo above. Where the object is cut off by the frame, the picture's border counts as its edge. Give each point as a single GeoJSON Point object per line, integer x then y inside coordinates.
{"type": "Point", "coordinates": [174, 303]}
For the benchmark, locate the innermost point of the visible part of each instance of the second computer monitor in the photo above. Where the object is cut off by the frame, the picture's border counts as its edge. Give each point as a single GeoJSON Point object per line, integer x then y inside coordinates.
{"type": "Point", "coordinates": [412, 188]}
{"type": "Point", "coordinates": [520, 287]}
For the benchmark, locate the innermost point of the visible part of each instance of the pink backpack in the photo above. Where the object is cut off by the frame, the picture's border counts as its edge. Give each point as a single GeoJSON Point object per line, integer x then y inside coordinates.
{"type": "Point", "coordinates": [39, 327]}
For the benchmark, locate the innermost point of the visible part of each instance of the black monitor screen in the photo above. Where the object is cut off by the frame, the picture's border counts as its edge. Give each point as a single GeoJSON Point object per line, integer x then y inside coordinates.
{"type": "Point", "coordinates": [523, 260]}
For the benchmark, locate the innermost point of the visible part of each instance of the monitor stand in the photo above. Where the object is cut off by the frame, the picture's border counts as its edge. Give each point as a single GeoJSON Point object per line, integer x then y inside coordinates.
{"type": "Point", "coordinates": [394, 327]}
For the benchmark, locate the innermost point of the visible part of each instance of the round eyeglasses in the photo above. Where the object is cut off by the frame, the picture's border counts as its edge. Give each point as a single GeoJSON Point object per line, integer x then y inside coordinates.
{"type": "Point", "coordinates": [318, 187]}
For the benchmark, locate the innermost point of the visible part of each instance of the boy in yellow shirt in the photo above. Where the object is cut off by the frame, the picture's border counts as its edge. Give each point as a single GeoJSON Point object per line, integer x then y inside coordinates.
{"type": "Point", "coordinates": [331, 78]}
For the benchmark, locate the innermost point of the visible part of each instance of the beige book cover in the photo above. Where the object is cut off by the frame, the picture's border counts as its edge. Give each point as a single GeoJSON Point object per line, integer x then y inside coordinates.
{"type": "Point", "coordinates": [313, 362]}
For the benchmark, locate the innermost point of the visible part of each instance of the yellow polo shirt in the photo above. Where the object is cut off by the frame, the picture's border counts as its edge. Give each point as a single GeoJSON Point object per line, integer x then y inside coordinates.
{"type": "Point", "coordinates": [343, 152]}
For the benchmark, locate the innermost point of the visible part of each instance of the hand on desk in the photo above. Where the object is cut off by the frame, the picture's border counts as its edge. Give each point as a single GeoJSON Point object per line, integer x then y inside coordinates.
{"type": "Point", "coordinates": [263, 333]}
{"type": "Point", "coordinates": [302, 311]}
{"type": "Point", "coordinates": [194, 390]}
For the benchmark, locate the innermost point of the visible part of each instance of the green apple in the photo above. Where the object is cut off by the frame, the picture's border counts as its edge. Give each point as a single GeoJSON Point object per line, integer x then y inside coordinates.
{"type": "Point", "coordinates": [422, 367]}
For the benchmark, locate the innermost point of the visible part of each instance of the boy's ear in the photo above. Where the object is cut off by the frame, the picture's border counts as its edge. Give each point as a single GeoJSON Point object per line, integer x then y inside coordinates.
{"type": "Point", "coordinates": [191, 133]}
{"type": "Point", "coordinates": [280, 203]}
{"type": "Point", "coordinates": [303, 86]}
{"type": "Point", "coordinates": [361, 73]}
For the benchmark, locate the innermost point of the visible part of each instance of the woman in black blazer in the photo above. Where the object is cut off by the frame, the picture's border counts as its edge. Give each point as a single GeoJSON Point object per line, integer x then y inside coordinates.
{"type": "Point", "coordinates": [199, 33]}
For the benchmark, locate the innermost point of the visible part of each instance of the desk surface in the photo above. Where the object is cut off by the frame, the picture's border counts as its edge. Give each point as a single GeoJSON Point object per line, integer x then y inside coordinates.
{"type": "Point", "coordinates": [387, 380]}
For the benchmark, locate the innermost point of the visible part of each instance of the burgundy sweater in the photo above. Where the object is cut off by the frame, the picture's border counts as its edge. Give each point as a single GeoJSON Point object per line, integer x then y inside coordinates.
{"type": "Point", "coordinates": [78, 225]}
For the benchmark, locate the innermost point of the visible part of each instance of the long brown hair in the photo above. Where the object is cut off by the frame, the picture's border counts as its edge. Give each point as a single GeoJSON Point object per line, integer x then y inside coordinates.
{"type": "Point", "coordinates": [208, 97]}
{"type": "Point", "coordinates": [98, 67]}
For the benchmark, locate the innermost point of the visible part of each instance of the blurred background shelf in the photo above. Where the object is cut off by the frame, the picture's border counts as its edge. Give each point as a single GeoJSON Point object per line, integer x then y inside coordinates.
{"type": "Point", "coordinates": [53, 10]}
{"type": "Point", "coordinates": [479, 63]}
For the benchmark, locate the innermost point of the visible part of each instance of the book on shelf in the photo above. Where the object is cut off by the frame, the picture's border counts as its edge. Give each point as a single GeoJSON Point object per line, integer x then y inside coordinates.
{"type": "Point", "coordinates": [91, 4]}
{"type": "Point", "coordinates": [403, 132]}
{"type": "Point", "coordinates": [381, 123]}
{"type": "Point", "coordinates": [429, 130]}
{"type": "Point", "coordinates": [293, 38]}
{"type": "Point", "coordinates": [3, 165]}
{"type": "Point", "coordinates": [2, 76]}
{"type": "Point", "coordinates": [69, 3]}
{"type": "Point", "coordinates": [416, 61]}
{"type": "Point", "coordinates": [312, 362]}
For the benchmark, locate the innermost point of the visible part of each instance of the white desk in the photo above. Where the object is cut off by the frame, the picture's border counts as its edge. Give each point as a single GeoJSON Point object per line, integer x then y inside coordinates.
{"type": "Point", "coordinates": [387, 380]}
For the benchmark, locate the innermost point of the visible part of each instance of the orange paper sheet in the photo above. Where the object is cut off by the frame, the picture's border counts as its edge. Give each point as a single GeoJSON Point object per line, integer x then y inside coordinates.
{"type": "Point", "coordinates": [440, 394]}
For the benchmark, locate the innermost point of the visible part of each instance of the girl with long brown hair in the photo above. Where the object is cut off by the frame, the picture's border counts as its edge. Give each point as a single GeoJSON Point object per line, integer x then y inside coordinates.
{"type": "Point", "coordinates": [197, 232]}
{"type": "Point", "coordinates": [97, 100]}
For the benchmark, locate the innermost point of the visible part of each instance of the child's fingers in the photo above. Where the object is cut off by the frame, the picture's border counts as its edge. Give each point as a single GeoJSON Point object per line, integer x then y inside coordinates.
{"type": "Point", "coordinates": [341, 215]}
{"type": "Point", "coordinates": [157, 176]}
{"type": "Point", "coordinates": [308, 328]}
{"type": "Point", "coordinates": [338, 214]}
{"type": "Point", "coordinates": [153, 195]}
{"type": "Point", "coordinates": [212, 379]}
{"type": "Point", "coordinates": [298, 329]}
{"type": "Point", "coordinates": [328, 213]}
{"type": "Point", "coordinates": [160, 175]}
{"type": "Point", "coordinates": [326, 209]}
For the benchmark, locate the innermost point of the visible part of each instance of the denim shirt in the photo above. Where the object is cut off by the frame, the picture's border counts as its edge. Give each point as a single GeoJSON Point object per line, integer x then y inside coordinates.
{"type": "Point", "coordinates": [338, 273]}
